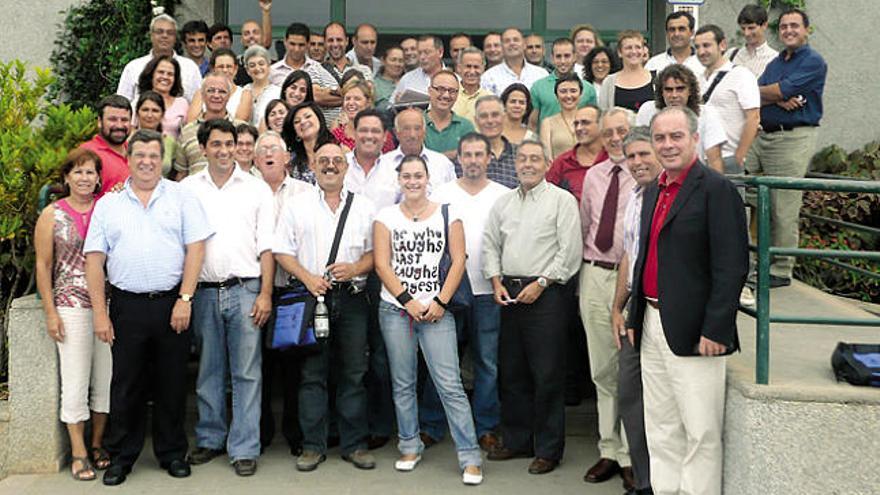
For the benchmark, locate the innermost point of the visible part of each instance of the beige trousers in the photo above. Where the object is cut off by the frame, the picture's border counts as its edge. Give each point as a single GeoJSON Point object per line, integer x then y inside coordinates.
{"type": "Point", "coordinates": [86, 367]}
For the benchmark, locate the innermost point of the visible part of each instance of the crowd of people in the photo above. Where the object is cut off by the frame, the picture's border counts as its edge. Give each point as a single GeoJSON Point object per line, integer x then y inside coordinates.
{"type": "Point", "coordinates": [445, 215]}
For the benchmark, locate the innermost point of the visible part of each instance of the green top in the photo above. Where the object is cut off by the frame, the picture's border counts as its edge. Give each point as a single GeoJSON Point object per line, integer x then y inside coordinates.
{"type": "Point", "coordinates": [382, 89]}
{"type": "Point", "coordinates": [544, 97]}
{"type": "Point", "coordinates": [447, 139]}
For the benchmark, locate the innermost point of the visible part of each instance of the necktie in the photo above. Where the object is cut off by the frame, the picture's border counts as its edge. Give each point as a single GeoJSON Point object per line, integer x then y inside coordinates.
{"type": "Point", "coordinates": [605, 235]}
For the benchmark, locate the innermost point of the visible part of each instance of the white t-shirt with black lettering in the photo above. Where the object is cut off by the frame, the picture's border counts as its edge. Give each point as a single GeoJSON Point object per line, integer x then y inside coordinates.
{"type": "Point", "coordinates": [416, 249]}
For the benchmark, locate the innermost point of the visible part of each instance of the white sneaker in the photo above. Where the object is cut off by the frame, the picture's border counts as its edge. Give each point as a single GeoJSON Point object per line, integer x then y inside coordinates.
{"type": "Point", "coordinates": [747, 297]}
{"type": "Point", "coordinates": [408, 465]}
{"type": "Point", "coordinates": [472, 479]}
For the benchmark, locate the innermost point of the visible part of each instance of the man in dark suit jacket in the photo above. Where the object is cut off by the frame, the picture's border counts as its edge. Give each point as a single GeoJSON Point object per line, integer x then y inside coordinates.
{"type": "Point", "coordinates": [692, 264]}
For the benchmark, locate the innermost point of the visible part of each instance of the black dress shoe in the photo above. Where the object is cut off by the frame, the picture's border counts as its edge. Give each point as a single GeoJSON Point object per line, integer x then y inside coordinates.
{"type": "Point", "coordinates": [201, 455]}
{"type": "Point", "coordinates": [376, 442]}
{"type": "Point", "coordinates": [776, 281]}
{"type": "Point", "coordinates": [542, 466]}
{"type": "Point", "coordinates": [178, 468]}
{"type": "Point", "coordinates": [602, 471]}
{"type": "Point", "coordinates": [245, 467]}
{"type": "Point", "coordinates": [116, 474]}
{"type": "Point", "coordinates": [505, 454]}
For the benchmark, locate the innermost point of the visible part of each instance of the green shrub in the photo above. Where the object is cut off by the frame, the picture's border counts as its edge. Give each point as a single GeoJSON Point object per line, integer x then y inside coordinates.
{"type": "Point", "coordinates": [96, 40]}
{"type": "Point", "coordinates": [862, 209]}
{"type": "Point", "coordinates": [34, 138]}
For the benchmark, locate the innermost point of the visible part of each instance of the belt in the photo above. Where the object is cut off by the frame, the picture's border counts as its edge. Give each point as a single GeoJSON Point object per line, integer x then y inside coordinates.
{"type": "Point", "coordinates": [351, 286]}
{"type": "Point", "coordinates": [653, 303]}
{"type": "Point", "coordinates": [517, 281]}
{"type": "Point", "coordinates": [225, 284]}
{"type": "Point", "coordinates": [602, 264]}
{"type": "Point", "coordinates": [783, 127]}
{"type": "Point", "coordinates": [159, 294]}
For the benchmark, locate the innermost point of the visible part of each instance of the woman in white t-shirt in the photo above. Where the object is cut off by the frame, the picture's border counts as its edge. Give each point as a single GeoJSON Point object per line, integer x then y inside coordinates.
{"type": "Point", "coordinates": [409, 241]}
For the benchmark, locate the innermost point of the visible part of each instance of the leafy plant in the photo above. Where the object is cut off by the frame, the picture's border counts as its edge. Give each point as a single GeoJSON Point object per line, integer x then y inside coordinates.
{"type": "Point", "coordinates": [34, 138]}
{"type": "Point", "coordinates": [858, 208]}
{"type": "Point", "coordinates": [95, 41]}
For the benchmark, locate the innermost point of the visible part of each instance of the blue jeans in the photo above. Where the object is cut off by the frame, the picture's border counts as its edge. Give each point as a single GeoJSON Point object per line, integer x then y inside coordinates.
{"type": "Point", "coordinates": [229, 340]}
{"type": "Point", "coordinates": [482, 321]}
{"type": "Point", "coordinates": [438, 343]}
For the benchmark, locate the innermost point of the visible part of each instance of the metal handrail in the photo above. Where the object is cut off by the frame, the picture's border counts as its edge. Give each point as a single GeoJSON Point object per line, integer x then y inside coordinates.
{"type": "Point", "coordinates": [762, 314]}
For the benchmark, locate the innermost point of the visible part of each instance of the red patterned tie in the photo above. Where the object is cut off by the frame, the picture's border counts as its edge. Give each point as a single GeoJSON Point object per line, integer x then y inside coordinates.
{"type": "Point", "coordinates": [605, 235]}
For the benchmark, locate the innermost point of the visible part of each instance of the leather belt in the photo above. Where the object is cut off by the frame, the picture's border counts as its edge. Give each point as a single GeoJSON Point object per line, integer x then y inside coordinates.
{"type": "Point", "coordinates": [517, 281]}
{"type": "Point", "coordinates": [225, 284]}
{"type": "Point", "coordinates": [602, 264]}
{"type": "Point", "coordinates": [783, 127]}
{"type": "Point", "coordinates": [159, 294]}
{"type": "Point", "coordinates": [653, 303]}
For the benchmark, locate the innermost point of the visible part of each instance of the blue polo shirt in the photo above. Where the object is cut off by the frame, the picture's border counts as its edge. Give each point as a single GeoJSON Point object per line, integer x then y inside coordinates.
{"type": "Point", "coordinates": [802, 74]}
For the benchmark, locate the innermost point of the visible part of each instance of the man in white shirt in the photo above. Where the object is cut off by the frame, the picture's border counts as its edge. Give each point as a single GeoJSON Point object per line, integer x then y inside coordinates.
{"type": "Point", "coordinates": [296, 44]}
{"type": "Point", "coordinates": [410, 127]}
{"type": "Point", "coordinates": [163, 35]}
{"type": "Point", "coordinates": [233, 300]}
{"type": "Point", "coordinates": [679, 30]}
{"type": "Point", "coordinates": [473, 196]}
{"type": "Point", "coordinates": [430, 53]}
{"type": "Point", "coordinates": [733, 91]}
{"type": "Point", "coordinates": [756, 53]}
{"type": "Point", "coordinates": [364, 50]}
{"type": "Point", "coordinates": [303, 247]}
{"type": "Point", "coordinates": [514, 67]}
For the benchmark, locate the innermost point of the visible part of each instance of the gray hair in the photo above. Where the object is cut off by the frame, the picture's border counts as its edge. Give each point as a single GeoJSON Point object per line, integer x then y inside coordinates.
{"type": "Point", "coordinates": [536, 143]}
{"type": "Point", "coordinates": [163, 17]}
{"type": "Point", "coordinates": [629, 114]}
{"type": "Point", "coordinates": [229, 84]}
{"type": "Point", "coordinates": [401, 112]}
{"type": "Point", "coordinates": [471, 49]}
{"type": "Point", "coordinates": [256, 51]}
{"type": "Point", "coordinates": [692, 119]}
{"type": "Point", "coordinates": [640, 133]}
{"type": "Point", "coordinates": [486, 99]}
{"type": "Point", "coordinates": [266, 135]}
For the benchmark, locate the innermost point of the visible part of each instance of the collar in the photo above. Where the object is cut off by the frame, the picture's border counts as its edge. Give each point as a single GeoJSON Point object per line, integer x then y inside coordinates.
{"type": "Point", "coordinates": [399, 154]}
{"type": "Point", "coordinates": [237, 175]}
{"type": "Point", "coordinates": [344, 196]}
{"type": "Point", "coordinates": [670, 55]}
{"type": "Point", "coordinates": [157, 192]}
{"type": "Point", "coordinates": [797, 52]}
{"type": "Point", "coordinates": [507, 67]}
{"type": "Point", "coordinates": [760, 48]}
{"type": "Point", "coordinates": [201, 118]}
{"type": "Point", "coordinates": [535, 192]}
{"type": "Point", "coordinates": [663, 180]}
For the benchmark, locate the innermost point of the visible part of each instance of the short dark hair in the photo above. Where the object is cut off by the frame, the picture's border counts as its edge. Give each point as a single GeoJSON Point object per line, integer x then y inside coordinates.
{"type": "Point", "coordinates": [472, 137]}
{"type": "Point", "coordinates": [678, 15]}
{"type": "Point", "coordinates": [438, 43]}
{"type": "Point", "coordinates": [218, 27]}
{"type": "Point", "coordinates": [221, 125]}
{"type": "Point", "coordinates": [460, 34]}
{"type": "Point", "coordinates": [298, 29]}
{"type": "Point", "coordinates": [570, 77]}
{"type": "Point", "coordinates": [245, 128]}
{"type": "Point", "coordinates": [154, 97]}
{"type": "Point", "coordinates": [113, 101]}
{"type": "Point", "coordinates": [145, 81]}
{"type": "Point", "coordinates": [505, 95]}
{"type": "Point", "coordinates": [752, 14]}
{"type": "Point", "coordinates": [77, 157]}
{"type": "Point", "coordinates": [146, 136]}
{"type": "Point", "coordinates": [193, 27]}
{"type": "Point", "coordinates": [220, 52]}
{"type": "Point", "coordinates": [711, 28]}
{"type": "Point", "coordinates": [794, 10]}
{"type": "Point", "coordinates": [561, 41]}
{"type": "Point", "coordinates": [412, 158]}
{"type": "Point", "coordinates": [613, 59]}
{"type": "Point", "coordinates": [369, 112]}
{"type": "Point", "coordinates": [685, 75]}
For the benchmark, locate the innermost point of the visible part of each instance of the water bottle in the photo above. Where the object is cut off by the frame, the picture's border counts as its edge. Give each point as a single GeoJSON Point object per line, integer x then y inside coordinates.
{"type": "Point", "coordinates": [322, 319]}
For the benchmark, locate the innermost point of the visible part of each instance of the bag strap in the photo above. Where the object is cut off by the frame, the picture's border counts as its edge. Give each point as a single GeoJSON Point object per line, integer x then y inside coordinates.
{"type": "Point", "coordinates": [444, 208]}
{"type": "Point", "coordinates": [717, 80]}
{"type": "Point", "coordinates": [733, 54]}
{"type": "Point", "coordinates": [340, 226]}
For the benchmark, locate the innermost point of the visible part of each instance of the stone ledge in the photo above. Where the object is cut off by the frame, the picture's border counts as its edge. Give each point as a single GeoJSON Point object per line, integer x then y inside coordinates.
{"type": "Point", "coordinates": [4, 411]}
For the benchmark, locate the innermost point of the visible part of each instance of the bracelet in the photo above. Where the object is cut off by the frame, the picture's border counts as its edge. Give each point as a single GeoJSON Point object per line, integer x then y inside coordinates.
{"type": "Point", "coordinates": [404, 298]}
{"type": "Point", "coordinates": [441, 303]}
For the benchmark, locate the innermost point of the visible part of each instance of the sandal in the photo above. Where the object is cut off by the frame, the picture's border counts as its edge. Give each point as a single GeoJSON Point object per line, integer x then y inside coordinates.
{"type": "Point", "coordinates": [100, 457]}
{"type": "Point", "coordinates": [86, 472]}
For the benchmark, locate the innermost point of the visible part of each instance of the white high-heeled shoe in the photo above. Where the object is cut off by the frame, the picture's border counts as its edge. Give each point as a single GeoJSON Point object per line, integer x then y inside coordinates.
{"type": "Point", "coordinates": [408, 465]}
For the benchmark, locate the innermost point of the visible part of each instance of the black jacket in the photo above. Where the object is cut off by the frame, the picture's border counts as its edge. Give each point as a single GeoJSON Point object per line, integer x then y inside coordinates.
{"type": "Point", "coordinates": [703, 262]}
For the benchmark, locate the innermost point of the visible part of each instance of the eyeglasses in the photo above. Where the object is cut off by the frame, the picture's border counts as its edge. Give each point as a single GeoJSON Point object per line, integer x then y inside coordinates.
{"type": "Point", "coordinates": [337, 161]}
{"type": "Point", "coordinates": [269, 150]}
{"type": "Point", "coordinates": [442, 90]}
{"type": "Point", "coordinates": [166, 32]}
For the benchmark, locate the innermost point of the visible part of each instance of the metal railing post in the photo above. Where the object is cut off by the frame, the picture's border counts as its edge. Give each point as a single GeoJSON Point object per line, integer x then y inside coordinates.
{"type": "Point", "coordinates": [762, 364]}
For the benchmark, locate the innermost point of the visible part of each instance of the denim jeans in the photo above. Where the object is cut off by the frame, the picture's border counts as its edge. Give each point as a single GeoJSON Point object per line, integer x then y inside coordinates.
{"type": "Point", "coordinates": [229, 340]}
{"type": "Point", "coordinates": [345, 356]}
{"type": "Point", "coordinates": [482, 322]}
{"type": "Point", "coordinates": [438, 343]}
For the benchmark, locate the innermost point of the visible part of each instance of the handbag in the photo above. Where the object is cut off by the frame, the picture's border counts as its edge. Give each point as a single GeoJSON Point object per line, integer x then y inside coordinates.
{"type": "Point", "coordinates": [463, 297]}
{"type": "Point", "coordinates": [858, 364]}
{"type": "Point", "coordinates": [292, 320]}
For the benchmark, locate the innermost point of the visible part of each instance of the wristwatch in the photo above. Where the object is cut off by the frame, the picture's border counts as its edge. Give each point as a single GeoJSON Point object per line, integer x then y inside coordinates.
{"type": "Point", "coordinates": [185, 297]}
{"type": "Point", "coordinates": [543, 282]}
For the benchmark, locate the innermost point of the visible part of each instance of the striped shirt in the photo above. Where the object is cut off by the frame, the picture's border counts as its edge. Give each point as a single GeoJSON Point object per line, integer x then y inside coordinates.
{"type": "Point", "coordinates": [145, 247]}
{"type": "Point", "coordinates": [631, 225]}
{"type": "Point", "coordinates": [755, 61]}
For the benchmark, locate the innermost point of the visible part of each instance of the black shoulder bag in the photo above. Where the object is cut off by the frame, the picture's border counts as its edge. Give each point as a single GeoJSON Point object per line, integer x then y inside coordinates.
{"type": "Point", "coordinates": [464, 296]}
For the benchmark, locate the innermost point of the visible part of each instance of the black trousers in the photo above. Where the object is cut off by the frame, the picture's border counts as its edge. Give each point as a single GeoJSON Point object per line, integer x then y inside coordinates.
{"type": "Point", "coordinates": [149, 361]}
{"type": "Point", "coordinates": [531, 357]}
{"type": "Point", "coordinates": [632, 412]}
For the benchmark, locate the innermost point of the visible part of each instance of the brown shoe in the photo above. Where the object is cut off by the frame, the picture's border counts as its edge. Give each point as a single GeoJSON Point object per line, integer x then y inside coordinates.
{"type": "Point", "coordinates": [505, 454]}
{"type": "Point", "coordinates": [629, 481]}
{"type": "Point", "coordinates": [602, 471]}
{"type": "Point", "coordinates": [489, 442]}
{"type": "Point", "coordinates": [376, 442]}
{"type": "Point", "coordinates": [542, 466]}
{"type": "Point", "coordinates": [427, 440]}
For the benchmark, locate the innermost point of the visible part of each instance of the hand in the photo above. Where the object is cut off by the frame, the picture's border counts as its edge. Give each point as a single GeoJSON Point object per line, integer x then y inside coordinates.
{"type": "Point", "coordinates": [415, 309]}
{"type": "Point", "coordinates": [434, 312]}
{"type": "Point", "coordinates": [117, 187]}
{"type": "Point", "coordinates": [502, 297]}
{"type": "Point", "coordinates": [618, 326]}
{"type": "Point", "coordinates": [55, 327]}
{"type": "Point", "coordinates": [262, 309]}
{"type": "Point", "coordinates": [318, 286]}
{"type": "Point", "coordinates": [266, 5]}
{"type": "Point", "coordinates": [103, 327]}
{"type": "Point", "coordinates": [180, 315]}
{"type": "Point", "coordinates": [342, 272]}
{"type": "Point", "coordinates": [740, 158]}
{"type": "Point", "coordinates": [530, 293]}
{"type": "Point", "coordinates": [792, 103]}
{"type": "Point", "coordinates": [711, 348]}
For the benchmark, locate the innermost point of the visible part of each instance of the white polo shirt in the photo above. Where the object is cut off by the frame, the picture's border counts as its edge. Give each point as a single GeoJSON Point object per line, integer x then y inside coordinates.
{"type": "Point", "coordinates": [498, 78]}
{"type": "Point", "coordinates": [190, 77]}
{"type": "Point", "coordinates": [664, 59]}
{"type": "Point", "coordinates": [241, 213]}
{"type": "Point", "coordinates": [735, 93]}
